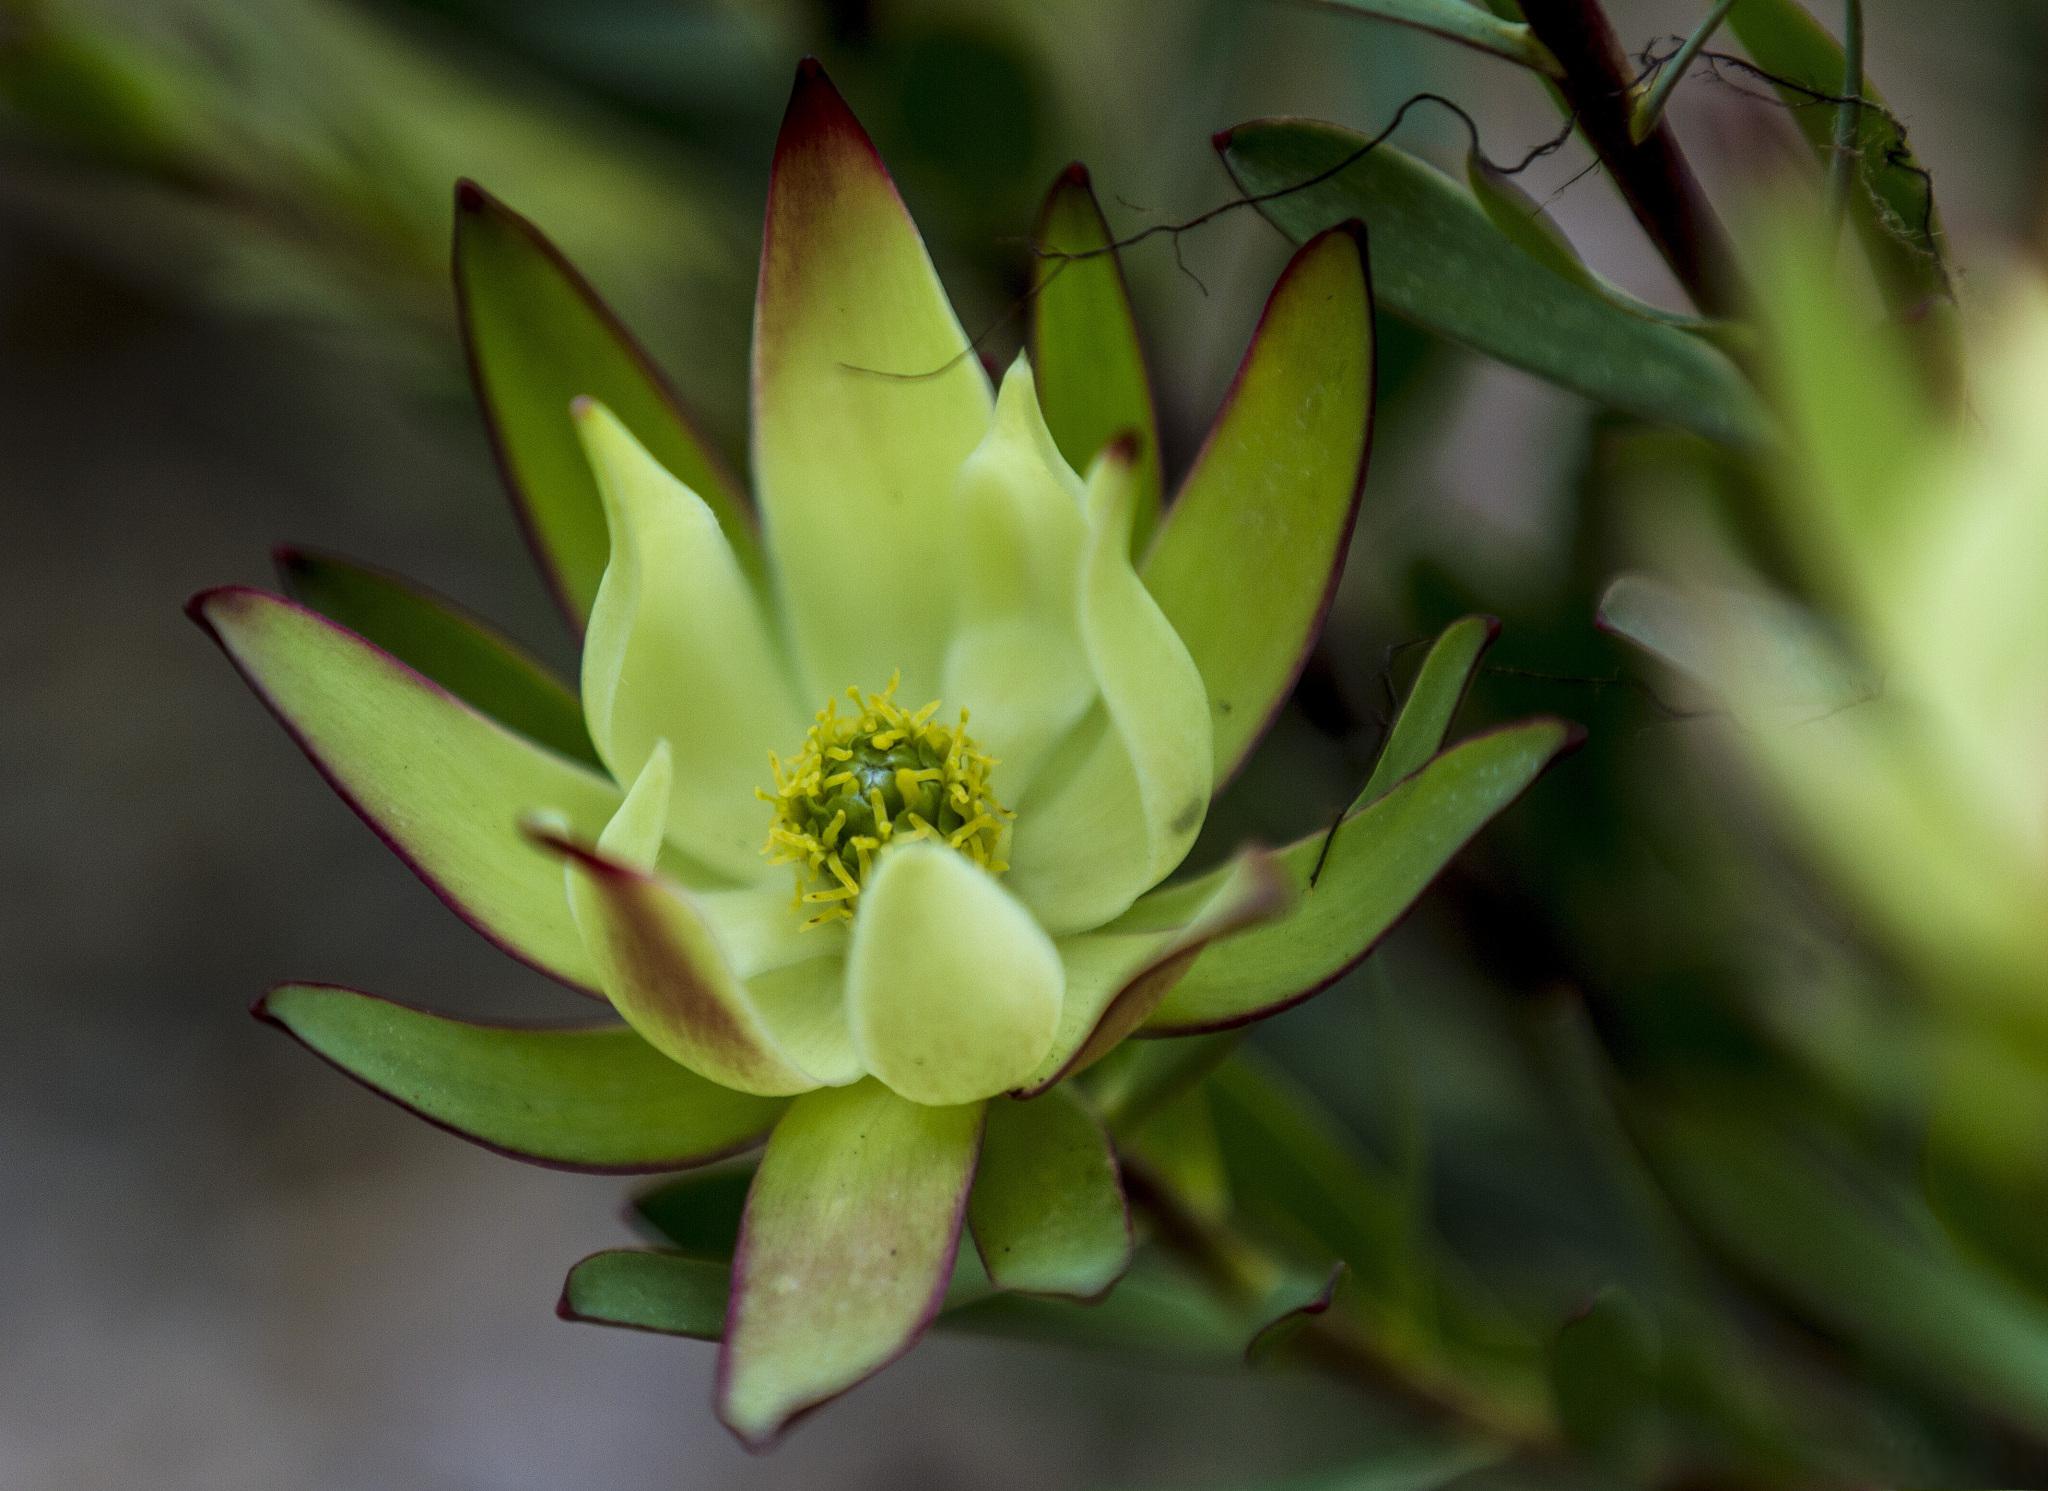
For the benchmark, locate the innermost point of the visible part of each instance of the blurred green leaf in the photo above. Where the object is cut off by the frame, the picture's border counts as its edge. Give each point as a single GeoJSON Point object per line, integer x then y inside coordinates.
{"type": "Point", "coordinates": [1358, 881]}
{"type": "Point", "coordinates": [596, 1098]}
{"type": "Point", "coordinates": [663, 1292]}
{"type": "Point", "coordinates": [455, 649]}
{"type": "Point", "coordinates": [1083, 339]}
{"type": "Point", "coordinates": [1288, 1307]}
{"type": "Point", "coordinates": [1602, 1376]}
{"type": "Point", "coordinates": [1751, 648]}
{"type": "Point", "coordinates": [698, 1212]}
{"type": "Point", "coordinates": [1462, 22]}
{"type": "Point", "coordinates": [1176, 1143]}
{"type": "Point", "coordinates": [538, 338]}
{"type": "Point", "coordinates": [1047, 1208]}
{"type": "Point", "coordinates": [1894, 210]}
{"type": "Point", "coordinates": [1139, 1077]}
{"type": "Point", "coordinates": [1155, 1310]}
{"type": "Point", "coordinates": [1397, 1468]}
{"type": "Point", "coordinates": [1425, 719]}
{"type": "Point", "coordinates": [1441, 262]}
{"type": "Point", "coordinates": [1856, 1252]}
{"type": "Point", "coordinates": [1298, 1178]}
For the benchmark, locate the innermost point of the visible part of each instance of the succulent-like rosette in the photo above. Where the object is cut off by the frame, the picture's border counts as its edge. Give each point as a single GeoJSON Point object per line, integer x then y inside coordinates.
{"type": "Point", "coordinates": [864, 821]}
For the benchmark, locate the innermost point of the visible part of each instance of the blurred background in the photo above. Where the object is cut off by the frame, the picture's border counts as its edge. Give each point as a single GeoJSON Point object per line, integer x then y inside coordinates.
{"type": "Point", "coordinates": [225, 322]}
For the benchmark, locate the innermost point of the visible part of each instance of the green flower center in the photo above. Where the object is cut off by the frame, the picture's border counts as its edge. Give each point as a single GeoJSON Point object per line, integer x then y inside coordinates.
{"type": "Point", "coordinates": [868, 778]}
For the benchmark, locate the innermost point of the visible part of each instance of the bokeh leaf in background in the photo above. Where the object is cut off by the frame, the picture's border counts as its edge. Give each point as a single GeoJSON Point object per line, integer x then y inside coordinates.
{"type": "Point", "coordinates": [1438, 260]}
{"type": "Point", "coordinates": [1893, 205]}
{"type": "Point", "coordinates": [1463, 22]}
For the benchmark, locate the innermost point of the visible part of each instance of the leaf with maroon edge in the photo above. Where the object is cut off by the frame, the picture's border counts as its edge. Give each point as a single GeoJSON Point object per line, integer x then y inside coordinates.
{"type": "Point", "coordinates": [1247, 560]}
{"type": "Point", "coordinates": [867, 401]}
{"type": "Point", "coordinates": [456, 650]}
{"type": "Point", "coordinates": [845, 1251]}
{"type": "Point", "coordinates": [578, 1098]}
{"type": "Point", "coordinates": [1047, 1207]}
{"type": "Point", "coordinates": [1083, 341]}
{"type": "Point", "coordinates": [666, 1293]}
{"type": "Point", "coordinates": [1425, 719]}
{"type": "Point", "coordinates": [538, 336]}
{"type": "Point", "coordinates": [1358, 880]}
{"type": "Point", "coordinates": [439, 782]}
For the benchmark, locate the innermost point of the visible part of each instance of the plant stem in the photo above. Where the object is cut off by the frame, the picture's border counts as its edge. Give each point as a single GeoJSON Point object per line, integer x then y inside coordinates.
{"type": "Point", "coordinates": [1650, 111]}
{"type": "Point", "coordinates": [1235, 1266]}
{"type": "Point", "coordinates": [1652, 176]}
{"type": "Point", "coordinates": [1848, 113]}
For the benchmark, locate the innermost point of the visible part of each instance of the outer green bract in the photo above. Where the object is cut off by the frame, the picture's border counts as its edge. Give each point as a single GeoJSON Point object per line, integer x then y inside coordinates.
{"type": "Point", "coordinates": [977, 910]}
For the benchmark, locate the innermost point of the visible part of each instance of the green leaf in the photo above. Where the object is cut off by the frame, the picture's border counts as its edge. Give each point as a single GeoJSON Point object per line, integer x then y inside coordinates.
{"type": "Point", "coordinates": [1756, 651]}
{"type": "Point", "coordinates": [1155, 1310]}
{"type": "Point", "coordinates": [1893, 209]}
{"type": "Point", "coordinates": [538, 336]}
{"type": "Point", "coordinates": [1522, 218]}
{"type": "Point", "coordinates": [1357, 882]}
{"type": "Point", "coordinates": [1248, 557]}
{"type": "Point", "coordinates": [1175, 1142]}
{"type": "Point", "coordinates": [1440, 262]}
{"type": "Point", "coordinates": [1047, 1208]}
{"type": "Point", "coordinates": [456, 650]}
{"type": "Point", "coordinates": [699, 1212]}
{"type": "Point", "coordinates": [1465, 23]}
{"type": "Point", "coordinates": [1288, 1307]}
{"type": "Point", "coordinates": [1117, 976]}
{"type": "Point", "coordinates": [1603, 1381]}
{"type": "Point", "coordinates": [1084, 345]}
{"type": "Point", "coordinates": [1409, 1467]}
{"type": "Point", "coordinates": [850, 1234]}
{"type": "Point", "coordinates": [1140, 1077]}
{"type": "Point", "coordinates": [664, 1292]}
{"type": "Point", "coordinates": [1855, 1250]}
{"type": "Point", "coordinates": [1433, 699]}
{"type": "Point", "coordinates": [1299, 1178]}
{"type": "Point", "coordinates": [867, 400]}
{"type": "Point", "coordinates": [442, 784]}
{"type": "Point", "coordinates": [596, 1098]}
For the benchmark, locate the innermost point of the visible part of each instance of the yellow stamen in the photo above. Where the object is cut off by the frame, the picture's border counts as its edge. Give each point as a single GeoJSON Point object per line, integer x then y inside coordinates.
{"type": "Point", "coordinates": [877, 775]}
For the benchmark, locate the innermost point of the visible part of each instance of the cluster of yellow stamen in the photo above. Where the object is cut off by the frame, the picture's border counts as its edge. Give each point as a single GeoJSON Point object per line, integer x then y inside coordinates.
{"type": "Point", "coordinates": [877, 775]}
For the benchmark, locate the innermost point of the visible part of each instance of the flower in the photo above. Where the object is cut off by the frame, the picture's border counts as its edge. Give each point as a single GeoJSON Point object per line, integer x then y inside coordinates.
{"type": "Point", "coordinates": [935, 690]}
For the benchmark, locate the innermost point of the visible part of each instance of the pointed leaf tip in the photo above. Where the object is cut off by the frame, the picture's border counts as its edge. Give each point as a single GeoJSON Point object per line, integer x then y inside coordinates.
{"type": "Point", "coordinates": [536, 333]}
{"type": "Point", "coordinates": [431, 775]}
{"type": "Point", "coordinates": [1083, 340]}
{"type": "Point", "coordinates": [1247, 560]}
{"type": "Point", "coordinates": [591, 1098]}
{"type": "Point", "coordinates": [817, 108]}
{"type": "Point", "coordinates": [849, 1237]}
